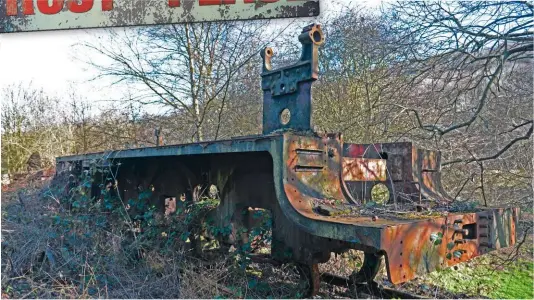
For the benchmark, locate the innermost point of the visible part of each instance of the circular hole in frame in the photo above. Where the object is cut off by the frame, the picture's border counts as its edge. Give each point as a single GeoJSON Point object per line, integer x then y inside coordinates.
{"type": "Point", "coordinates": [317, 37]}
{"type": "Point", "coordinates": [380, 193]}
{"type": "Point", "coordinates": [285, 116]}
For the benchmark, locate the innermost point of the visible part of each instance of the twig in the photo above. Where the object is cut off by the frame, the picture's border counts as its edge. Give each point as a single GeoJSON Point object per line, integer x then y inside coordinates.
{"type": "Point", "coordinates": [497, 154]}
{"type": "Point", "coordinates": [20, 196]}
{"type": "Point", "coordinates": [462, 188]}
{"type": "Point", "coordinates": [515, 252]}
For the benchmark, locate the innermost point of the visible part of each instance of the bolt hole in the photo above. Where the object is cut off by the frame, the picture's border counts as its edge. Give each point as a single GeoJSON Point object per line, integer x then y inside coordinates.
{"type": "Point", "coordinates": [401, 242]}
{"type": "Point", "coordinates": [383, 155]}
{"type": "Point", "coordinates": [317, 37]}
{"type": "Point", "coordinates": [401, 254]}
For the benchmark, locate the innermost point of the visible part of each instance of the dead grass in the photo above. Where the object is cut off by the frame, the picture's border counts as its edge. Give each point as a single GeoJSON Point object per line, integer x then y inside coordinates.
{"type": "Point", "coordinates": [48, 252]}
{"type": "Point", "coordinates": [52, 252]}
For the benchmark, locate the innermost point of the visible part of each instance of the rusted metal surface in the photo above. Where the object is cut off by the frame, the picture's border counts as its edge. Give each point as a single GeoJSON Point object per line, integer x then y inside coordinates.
{"type": "Point", "coordinates": [37, 15]}
{"type": "Point", "coordinates": [364, 169]}
{"type": "Point", "coordinates": [313, 186]}
{"type": "Point", "coordinates": [426, 166]}
{"type": "Point", "coordinates": [307, 191]}
{"type": "Point", "coordinates": [424, 246]}
{"type": "Point", "coordinates": [312, 277]}
{"type": "Point", "coordinates": [411, 173]}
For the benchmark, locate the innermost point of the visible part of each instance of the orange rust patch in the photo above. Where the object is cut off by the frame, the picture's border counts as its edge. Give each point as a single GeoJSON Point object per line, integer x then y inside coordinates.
{"type": "Point", "coordinates": [364, 169]}
{"type": "Point", "coordinates": [424, 246]}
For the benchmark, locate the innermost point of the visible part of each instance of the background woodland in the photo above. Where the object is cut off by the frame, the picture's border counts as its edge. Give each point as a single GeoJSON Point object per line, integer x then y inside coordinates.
{"type": "Point", "coordinates": [456, 77]}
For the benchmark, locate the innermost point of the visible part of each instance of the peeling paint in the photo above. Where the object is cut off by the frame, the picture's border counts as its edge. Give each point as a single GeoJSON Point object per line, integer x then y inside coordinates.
{"type": "Point", "coordinates": [112, 13]}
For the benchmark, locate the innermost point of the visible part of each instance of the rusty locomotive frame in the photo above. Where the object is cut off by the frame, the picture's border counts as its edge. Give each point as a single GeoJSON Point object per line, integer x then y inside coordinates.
{"type": "Point", "coordinates": [314, 185]}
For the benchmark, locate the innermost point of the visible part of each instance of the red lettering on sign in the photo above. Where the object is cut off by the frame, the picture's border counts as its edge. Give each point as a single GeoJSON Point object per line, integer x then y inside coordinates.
{"type": "Point", "coordinates": [107, 5]}
{"type": "Point", "coordinates": [79, 8]}
{"type": "Point", "coordinates": [11, 7]}
{"type": "Point", "coordinates": [50, 9]}
{"type": "Point", "coordinates": [27, 7]}
{"type": "Point", "coordinates": [264, 1]}
{"type": "Point", "coordinates": [83, 6]}
{"type": "Point", "coordinates": [75, 6]}
{"type": "Point", "coordinates": [174, 3]}
{"type": "Point", "coordinates": [216, 2]}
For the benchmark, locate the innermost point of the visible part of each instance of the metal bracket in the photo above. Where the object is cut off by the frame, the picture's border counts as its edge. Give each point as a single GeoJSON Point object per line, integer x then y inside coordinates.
{"type": "Point", "coordinates": [287, 90]}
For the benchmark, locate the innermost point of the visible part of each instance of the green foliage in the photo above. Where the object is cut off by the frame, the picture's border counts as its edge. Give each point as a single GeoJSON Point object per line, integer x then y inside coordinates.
{"type": "Point", "coordinates": [513, 281]}
{"type": "Point", "coordinates": [516, 282]}
{"type": "Point", "coordinates": [148, 230]}
{"type": "Point", "coordinates": [436, 238]}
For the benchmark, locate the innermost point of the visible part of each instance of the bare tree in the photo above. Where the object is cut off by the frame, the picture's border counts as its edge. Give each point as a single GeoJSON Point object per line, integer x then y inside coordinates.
{"type": "Point", "coordinates": [466, 46]}
{"type": "Point", "coordinates": [184, 71]}
{"type": "Point", "coordinates": [466, 92]}
{"type": "Point", "coordinates": [32, 123]}
{"type": "Point", "coordinates": [81, 122]}
{"type": "Point", "coordinates": [358, 74]}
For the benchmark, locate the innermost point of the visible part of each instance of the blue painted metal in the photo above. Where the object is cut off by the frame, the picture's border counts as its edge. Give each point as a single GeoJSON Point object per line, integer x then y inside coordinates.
{"type": "Point", "coordinates": [287, 90]}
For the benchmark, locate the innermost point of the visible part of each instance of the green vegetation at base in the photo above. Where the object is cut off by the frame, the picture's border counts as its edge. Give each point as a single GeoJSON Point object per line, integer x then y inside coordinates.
{"type": "Point", "coordinates": [516, 282]}
{"type": "Point", "coordinates": [512, 281]}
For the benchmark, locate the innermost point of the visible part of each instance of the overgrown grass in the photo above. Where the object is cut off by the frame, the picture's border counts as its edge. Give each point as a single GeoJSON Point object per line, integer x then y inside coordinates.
{"type": "Point", "coordinates": [101, 249]}
{"type": "Point", "coordinates": [513, 281]}
{"type": "Point", "coordinates": [82, 248]}
{"type": "Point", "coordinates": [516, 282]}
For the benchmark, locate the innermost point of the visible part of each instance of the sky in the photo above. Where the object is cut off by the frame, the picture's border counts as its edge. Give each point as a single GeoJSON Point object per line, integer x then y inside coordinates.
{"type": "Point", "coordinates": [47, 60]}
